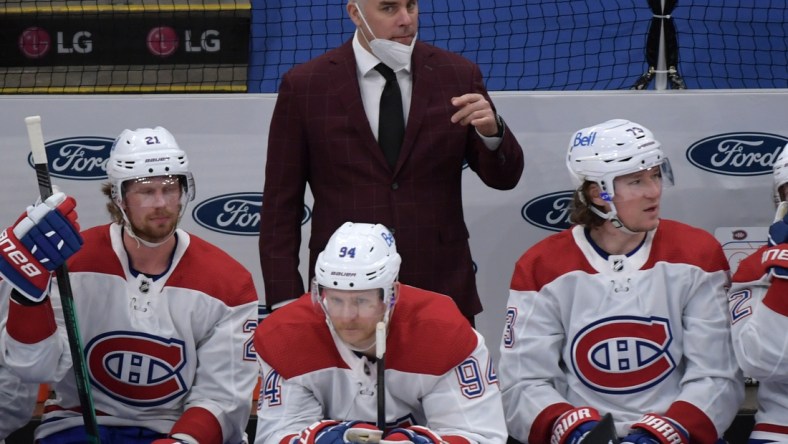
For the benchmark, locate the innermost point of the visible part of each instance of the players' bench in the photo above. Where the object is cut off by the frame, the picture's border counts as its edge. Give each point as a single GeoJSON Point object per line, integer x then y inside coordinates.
{"type": "Point", "coordinates": [736, 434]}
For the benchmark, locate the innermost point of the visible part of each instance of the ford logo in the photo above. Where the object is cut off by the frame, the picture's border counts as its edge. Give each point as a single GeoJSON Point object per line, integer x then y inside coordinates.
{"type": "Point", "coordinates": [737, 154]}
{"type": "Point", "coordinates": [237, 213]}
{"type": "Point", "coordinates": [550, 211]}
{"type": "Point", "coordinates": [77, 158]}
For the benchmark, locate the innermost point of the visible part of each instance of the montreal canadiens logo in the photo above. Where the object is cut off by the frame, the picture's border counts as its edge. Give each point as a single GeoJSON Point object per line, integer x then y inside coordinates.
{"type": "Point", "coordinates": [737, 154]}
{"type": "Point", "coordinates": [624, 354]}
{"type": "Point", "coordinates": [136, 368]}
{"type": "Point", "coordinates": [550, 211]}
{"type": "Point", "coordinates": [77, 158]}
{"type": "Point", "coordinates": [237, 213]}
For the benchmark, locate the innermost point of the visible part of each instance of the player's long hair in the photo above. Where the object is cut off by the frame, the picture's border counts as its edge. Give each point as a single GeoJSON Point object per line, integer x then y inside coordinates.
{"type": "Point", "coordinates": [112, 207]}
{"type": "Point", "coordinates": [581, 209]}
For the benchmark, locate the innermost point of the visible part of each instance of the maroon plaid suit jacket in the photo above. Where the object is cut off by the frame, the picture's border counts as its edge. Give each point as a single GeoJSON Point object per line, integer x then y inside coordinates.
{"type": "Point", "coordinates": [320, 136]}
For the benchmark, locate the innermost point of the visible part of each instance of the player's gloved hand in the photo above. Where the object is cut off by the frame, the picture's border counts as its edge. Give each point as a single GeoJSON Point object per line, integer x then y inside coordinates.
{"type": "Point", "coordinates": [656, 429]}
{"type": "Point", "coordinates": [335, 432]}
{"type": "Point", "coordinates": [778, 231]}
{"type": "Point", "coordinates": [41, 240]}
{"type": "Point", "coordinates": [413, 435]}
{"type": "Point", "coordinates": [573, 425]}
{"type": "Point", "coordinates": [775, 259]}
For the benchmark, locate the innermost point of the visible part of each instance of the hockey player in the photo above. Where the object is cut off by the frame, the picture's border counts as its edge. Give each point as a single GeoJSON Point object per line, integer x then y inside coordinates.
{"type": "Point", "coordinates": [622, 313]}
{"type": "Point", "coordinates": [319, 361]}
{"type": "Point", "coordinates": [758, 303]}
{"type": "Point", "coordinates": [165, 317]}
{"type": "Point", "coordinates": [17, 398]}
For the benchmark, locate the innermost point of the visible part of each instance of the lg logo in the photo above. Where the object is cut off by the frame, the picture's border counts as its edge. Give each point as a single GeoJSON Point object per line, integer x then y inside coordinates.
{"type": "Point", "coordinates": [163, 41]}
{"type": "Point", "coordinates": [35, 42]}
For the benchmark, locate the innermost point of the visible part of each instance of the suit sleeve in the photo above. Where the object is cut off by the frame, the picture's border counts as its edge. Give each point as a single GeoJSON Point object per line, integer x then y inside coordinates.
{"type": "Point", "coordinates": [284, 407]}
{"type": "Point", "coordinates": [500, 169]}
{"type": "Point", "coordinates": [283, 199]}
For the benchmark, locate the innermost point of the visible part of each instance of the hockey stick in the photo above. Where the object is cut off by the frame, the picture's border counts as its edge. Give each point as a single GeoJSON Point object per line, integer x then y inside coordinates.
{"type": "Point", "coordinates": [380, 353]}
{"type": "Point", "coordinates": [36, 138]}
{"type": "Point", "coordinates": [602, 433]}
{"type": "Point", "coordinates": [363, 436]}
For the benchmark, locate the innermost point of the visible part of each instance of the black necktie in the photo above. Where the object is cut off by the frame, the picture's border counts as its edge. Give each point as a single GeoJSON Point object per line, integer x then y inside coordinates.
{"type": "Point", "coordinates": [391, 125]}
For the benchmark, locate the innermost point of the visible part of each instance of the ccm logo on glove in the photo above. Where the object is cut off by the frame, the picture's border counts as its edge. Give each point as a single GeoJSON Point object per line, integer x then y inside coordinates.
{"type": "Point", "coordinates": [18, 256]}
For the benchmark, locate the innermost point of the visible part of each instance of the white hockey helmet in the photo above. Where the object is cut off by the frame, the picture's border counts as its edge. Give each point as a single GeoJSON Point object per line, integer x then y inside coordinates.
{"type": "Point", "coordinates": [780, 173]}
{"type": "Point", "coordinates": [602, 152]}
{"type": "Point", "coordinates": [147, 152]}
{"type": "Point", "coordinates": [359, 256]}
{"type": "Point", "coordinates": [610, 149]}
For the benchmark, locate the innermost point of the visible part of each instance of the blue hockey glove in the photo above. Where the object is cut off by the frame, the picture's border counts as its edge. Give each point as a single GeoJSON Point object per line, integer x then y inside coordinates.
{"type": "Point", "coordinates": [656, 429]}
{"type": "Point", "coordinates": [778, 238]}
{"type": "Point", "coordinates": [778, 231]}
{"type": "Point", "coordinates": [41, 240]}
{"type": "Point", "coordinates": [335, 432]}
{"type": "Point", "coordinates": [573, 425]}
{"type": "Point", "coordinates": [413, 434]}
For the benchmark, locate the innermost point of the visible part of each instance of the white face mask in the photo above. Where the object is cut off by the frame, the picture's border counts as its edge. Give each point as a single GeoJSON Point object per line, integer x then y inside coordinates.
{"type": "Point", "coordinates": [393, 54]}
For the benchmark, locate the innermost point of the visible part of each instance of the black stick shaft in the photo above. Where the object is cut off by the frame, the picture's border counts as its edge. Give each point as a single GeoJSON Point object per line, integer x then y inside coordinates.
{"type": "Point", "coordinates": [66, 296]}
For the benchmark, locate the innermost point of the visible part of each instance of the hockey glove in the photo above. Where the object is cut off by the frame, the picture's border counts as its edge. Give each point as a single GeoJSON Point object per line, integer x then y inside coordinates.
{"type": "Point", "coordinates": [335, 432]}
{"type": "Point", "coordinates": [41, 240]}
{"type": "Point", "coordinates": [656, 429]}
{"type": "Point", "coordinates": [778, 231]}
{"type": "Point", "coordinates": [414, 435]}
{"type": "Point", "coordinates": [573, 425]}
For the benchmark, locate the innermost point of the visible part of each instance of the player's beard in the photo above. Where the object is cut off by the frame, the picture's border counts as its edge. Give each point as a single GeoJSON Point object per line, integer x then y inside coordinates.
{"type": "Point", "coordinates": [155, 227]}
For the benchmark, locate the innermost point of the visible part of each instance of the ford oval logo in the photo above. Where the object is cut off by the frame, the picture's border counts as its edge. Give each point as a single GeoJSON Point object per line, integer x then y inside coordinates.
{"type": "Point", "coordinates": [737, 154]}
{"type": "Point", "coordinates": [237, 213]}
{"type": "Point", "coordinates": [550, 211]}
{"type": "Point", "coordinates": [78, 158]}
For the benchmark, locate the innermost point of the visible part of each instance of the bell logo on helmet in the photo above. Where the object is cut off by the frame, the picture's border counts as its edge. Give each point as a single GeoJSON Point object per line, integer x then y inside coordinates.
{"type": "Point", "coordinates": [581, 140]}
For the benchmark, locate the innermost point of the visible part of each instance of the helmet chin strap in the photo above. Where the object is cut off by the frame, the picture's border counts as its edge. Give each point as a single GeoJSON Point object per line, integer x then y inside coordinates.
{"type": "Point", "coordinates": [612, 216]}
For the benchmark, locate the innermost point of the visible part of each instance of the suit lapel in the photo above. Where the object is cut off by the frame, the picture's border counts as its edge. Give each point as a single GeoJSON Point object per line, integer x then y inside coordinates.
{"type": "Point", "coordinates": [343, 72]}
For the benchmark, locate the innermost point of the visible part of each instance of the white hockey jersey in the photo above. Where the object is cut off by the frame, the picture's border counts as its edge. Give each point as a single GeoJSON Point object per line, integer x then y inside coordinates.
{"type": "Point", "coordinates": [438, 373]}
{"type": "Point", "coordinates": [759, 319]}
{"type": "Point", "coordinates": [153, 348]}
{"type": "Point", "coordinates": [628, 335]}
{"type": "Point", "coordinates": [17, 399]}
